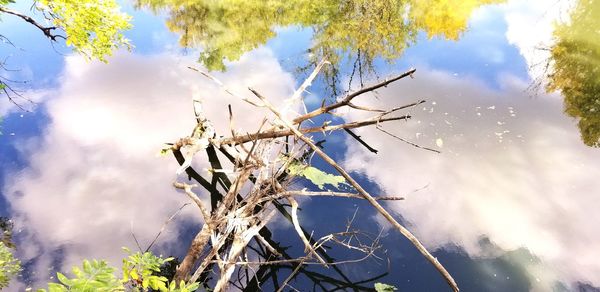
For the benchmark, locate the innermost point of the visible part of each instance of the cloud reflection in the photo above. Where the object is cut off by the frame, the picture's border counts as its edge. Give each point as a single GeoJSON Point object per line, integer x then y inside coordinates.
{"type": "Point", "coordinates": [94, 174]}
{"type": "Point", "coordinates": [512, 169]}
{"type": "Point", "coordinates": [530, 24]}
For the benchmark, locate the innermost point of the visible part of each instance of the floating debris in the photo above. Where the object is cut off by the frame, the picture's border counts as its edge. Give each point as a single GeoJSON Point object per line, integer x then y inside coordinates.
{"type": "Point", "coordinates": [439, 142]}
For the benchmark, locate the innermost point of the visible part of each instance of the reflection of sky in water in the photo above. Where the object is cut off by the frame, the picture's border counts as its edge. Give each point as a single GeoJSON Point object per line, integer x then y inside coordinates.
{"type": "Point", "coordinates": [509, 203]}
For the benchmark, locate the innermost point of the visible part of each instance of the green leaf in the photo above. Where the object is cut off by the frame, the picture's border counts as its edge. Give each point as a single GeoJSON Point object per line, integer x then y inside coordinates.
{"type": "Point", "coordinates": [87, 267]}
{"type": "Point", "coordinates": [53, 287]}
{"type": "Point", "coordinates": [315, 175]}
{"type": "Point", "coordinates": [63, 279]}
{"type": "Point", "coordinates": [95, 276]}
{"type": "Point", "coordinates": [134, 275]}
{"type": "Point", "coordinates": [381, 287]}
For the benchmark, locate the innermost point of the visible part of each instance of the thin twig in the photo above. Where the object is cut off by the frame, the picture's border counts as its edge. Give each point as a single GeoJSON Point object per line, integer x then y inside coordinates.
{"type": "Point", "coordinates": [215, 80]}
{"type": "Point", "coordinates": [135, 238]}
{"type": "Point", "coordinates": [291, 276]}
{"type": "Point", "coordinates": [296, 223]}
{"type": "Point", "coordinates": [329, 194]}
{"type": "Point", "coordinates": [165, 225]}
{"type": "Point", "coordinates": [406, 141]}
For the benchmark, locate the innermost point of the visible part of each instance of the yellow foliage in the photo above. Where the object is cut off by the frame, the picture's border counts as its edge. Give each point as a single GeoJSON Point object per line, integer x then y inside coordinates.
{"type": "Point", "coordinates": [376, 28]}
{"type": "Point", "coordinates": [575, 68]}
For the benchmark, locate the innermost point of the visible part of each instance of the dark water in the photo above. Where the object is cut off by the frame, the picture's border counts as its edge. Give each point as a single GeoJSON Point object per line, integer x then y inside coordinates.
{"type": "Point", "coordinates": [511, 103]}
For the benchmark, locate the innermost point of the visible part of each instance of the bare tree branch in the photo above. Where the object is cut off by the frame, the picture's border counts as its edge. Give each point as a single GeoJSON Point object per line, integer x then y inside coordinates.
{"type": "Point", "coordinates": [47, 30]}
{"type": "Point", "coordinates": [345, 101]}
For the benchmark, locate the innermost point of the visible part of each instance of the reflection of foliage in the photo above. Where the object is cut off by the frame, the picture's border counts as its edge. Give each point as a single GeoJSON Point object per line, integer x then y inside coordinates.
{"type": "Point", "coordinates": [9, 266]}
{"type": "Point", "coordinates": [576, 68]}
{"type": "Point", "coordinates": [377, 28]}
{"type": "Point", "coordinates": [6, 226]}
{"type": "Point", "coordinates": [447, 18]}
{"type": "Point", "coordinates": [92, 27]}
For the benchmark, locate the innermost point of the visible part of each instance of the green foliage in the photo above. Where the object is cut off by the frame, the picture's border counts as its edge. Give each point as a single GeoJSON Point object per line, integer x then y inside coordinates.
{"type": "Point", "coordinates": [315, 175]}
{"type": "Point", "coordinates": [9, 266]}
{"type": "Point", "coordinates": [138, 268]}
{"type": "Point", "coordinates": [381, 287]}
{"type": "Point", "coordinates": [576, 68]}
{"type": "Point", "coordinates": [139, 272]}
{"type": "Point", "coordinates": [93, 276]}
{"type": "Point", "coordinates": [226, 29]}
{"type": "Point", "coordinates": [93, 27]}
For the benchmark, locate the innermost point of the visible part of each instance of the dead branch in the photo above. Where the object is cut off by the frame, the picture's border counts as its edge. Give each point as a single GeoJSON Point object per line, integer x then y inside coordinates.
{"type": "Point", "coordinates": [346, 100]}
{"type": "Point", "coordinates": [188, 191]}
{"type": "Point", "coordinates": [364, 193]}
{"type": "Point", "coordinates": [47, 30]}
{"type": "Point", "coordinates": [270, 134]}
{"type": "Point", "coordinates": [329, 194]}
{"type": "Point", "coordinates": [237, 217]}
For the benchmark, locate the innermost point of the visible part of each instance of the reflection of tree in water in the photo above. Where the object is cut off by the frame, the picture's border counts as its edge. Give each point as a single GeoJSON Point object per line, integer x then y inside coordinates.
{"type": "Point", "coordinates": [6, 227]}
{"type": "Point", "coordinates": [575, 63]}
{"type": "Point", "coordinates": [358, 30]}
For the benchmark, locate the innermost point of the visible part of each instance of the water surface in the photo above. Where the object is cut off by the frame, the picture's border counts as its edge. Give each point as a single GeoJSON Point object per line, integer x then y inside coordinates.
{"type": "Point", "coordinates": [508, 205]}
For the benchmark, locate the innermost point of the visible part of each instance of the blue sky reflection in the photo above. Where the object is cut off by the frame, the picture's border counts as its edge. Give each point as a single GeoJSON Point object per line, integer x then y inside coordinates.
{"type": "Point", "coordinates": [512, 197]}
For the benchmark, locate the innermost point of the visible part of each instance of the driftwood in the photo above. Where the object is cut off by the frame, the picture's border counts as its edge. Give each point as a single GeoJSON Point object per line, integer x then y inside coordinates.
{"type": "Point", "coordinates": [235, 225]}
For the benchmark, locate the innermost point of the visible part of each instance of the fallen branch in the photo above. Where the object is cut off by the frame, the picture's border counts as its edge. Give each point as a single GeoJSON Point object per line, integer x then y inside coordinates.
{"type": "Point", "coordinates": [240, 139]}
{"type": "Point", "coordinates": [254, 185]}
{"type": "Point", "coordinates": [361, 191]}
{"type": "Point", "coordinates": [346, 101]}
{"type": "Point", "coordinates": [329, 194]}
